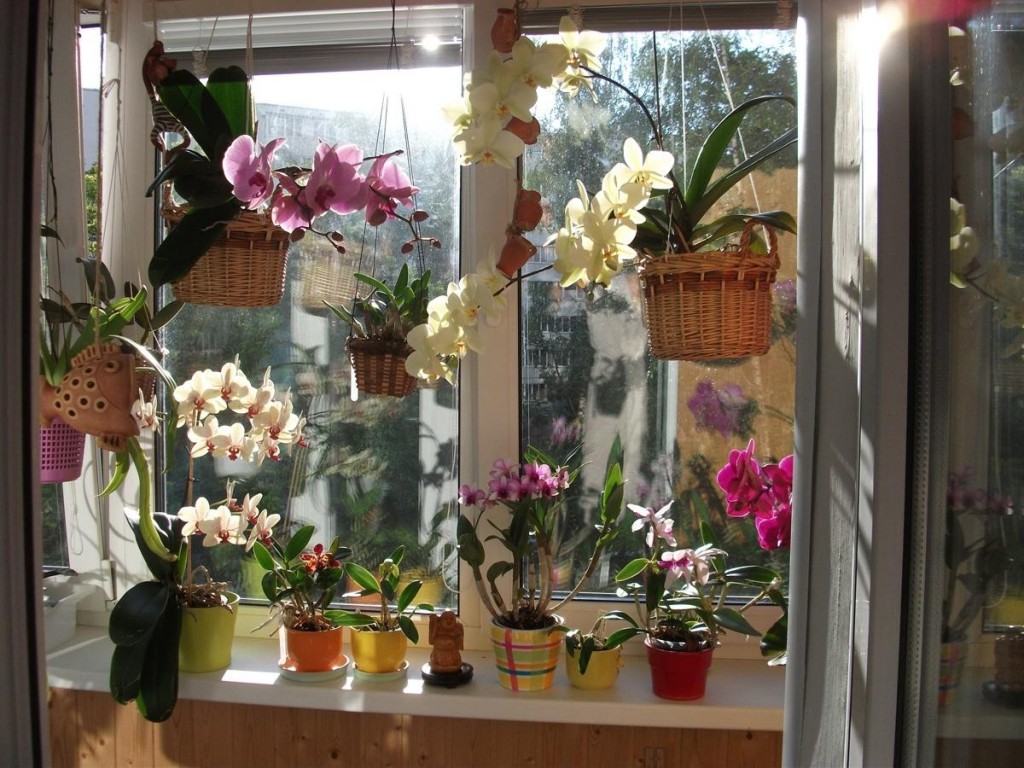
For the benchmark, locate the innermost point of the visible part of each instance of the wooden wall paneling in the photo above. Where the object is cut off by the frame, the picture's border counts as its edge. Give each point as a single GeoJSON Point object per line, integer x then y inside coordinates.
{"type": "Point", "coordinates": [338, 737]}
{"type": "Point", "coordinates": [430, 740]}
{"type": "Point", "coordinates": [133, 738]}
{"type": "Point", "coordinates": [63, 728]}
{"type": "Point", "coordinates": [607, 746]}
{"type": "Point", "coordinates": [705, 749]}
{"type": "Point", "coordinates": [669, 740]}
{"type": "Point", "coordinates": [213, 743]}
{"type": "Point", "coordinates": [485, 743]}
{"type": "Point", "coordinates": [96, 723]}
{"type": "Point", "coordinates": [174, 740]}
{"type": "Point", "coordinates": [383, 741]}
{"type": "Point", "coordinates": [556, 743]}
{"type": "Point", "coordinates": [754, 749]}
{"type": "Point", "coordinates": [294, 736]}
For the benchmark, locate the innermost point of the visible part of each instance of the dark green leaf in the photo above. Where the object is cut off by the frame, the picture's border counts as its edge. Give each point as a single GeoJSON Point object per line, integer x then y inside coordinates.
{"type": "Point", "coordinates": [125, 671]}
{"type": "Point", "coordinates": [497, 570]}
{"type": "Point", "coordinates": [408, 595]}
{"type": "Point", "coordinates": [733, 620]}
{"type": "Point", "coordinates": [409, 628]}
{"type": "Point", "coordinates": [298, 543]}
{"type": "Point", "coordinates": [136, 614]}
{"type": "Point", "coordinates": [757, 574]}
{"type": "Point", "coordinates": [229, 87]}
{"type": "Point", "coordinates": [619, 636]}
{"type": "Point", "coordinates": [189, 101]}
{"type": "Point", "coordinates": [620, 616]}
{"type": "Point", "coordinates": [262, 555]}
{"type": "Point", "coordinates": [349, 618]}
{"type": "Point", "coordinates": [158, 684]}
{"type": "Point", "coordinates": [775, 639]}
{"type": "Point", "coordinates": [188, 241]}
{"type": "Point", "coordinates": [364, 578]}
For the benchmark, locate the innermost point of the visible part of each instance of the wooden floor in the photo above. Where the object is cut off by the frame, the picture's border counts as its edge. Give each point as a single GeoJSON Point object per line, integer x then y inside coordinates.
{"type": "Point", "coordinates": [90, 729]}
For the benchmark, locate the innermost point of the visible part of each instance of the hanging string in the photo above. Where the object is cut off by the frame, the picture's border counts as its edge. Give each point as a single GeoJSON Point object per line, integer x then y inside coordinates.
{"type": "Point", "coordinates": [199, 52]}
{"type": "Point", "coordinates": [723, 73]}
{"type": "Point", "coordinates": [250, 62]}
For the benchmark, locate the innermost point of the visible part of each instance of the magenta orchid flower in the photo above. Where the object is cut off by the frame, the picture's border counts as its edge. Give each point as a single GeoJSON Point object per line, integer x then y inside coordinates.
{"type": "Point", "coordinates": [247, 166]}
{"type": "Point", "coordinates": [773, 531]}
{"type": "Point", "coordinates": [389, 187]}
{"type": "Point", "coordinates": [741, 481]}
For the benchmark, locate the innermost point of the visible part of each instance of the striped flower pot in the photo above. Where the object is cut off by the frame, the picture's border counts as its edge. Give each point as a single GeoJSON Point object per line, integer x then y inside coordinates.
{"type": "Point", "coordinates": [526, 658]}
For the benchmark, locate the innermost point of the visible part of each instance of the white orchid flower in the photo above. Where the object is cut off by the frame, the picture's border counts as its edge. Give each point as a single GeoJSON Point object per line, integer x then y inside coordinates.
{"type": "Point", "coordinates": [249, 509]}
{"type": "Point", "coordinates": [201, 435]}
{"type": "Point", "coordinates": [199, 395]}
{"type": "Point", "coordinates": [535, 65]}
{"type": "Point", "coordinates": [487, 143]}
{"type": "Point", "coordinates": [222, 528]}
{"type": "Point", "coordinates": [194, 515]}
{"type": "Point", "coordinates": [262, 529]}
{"type": "Point", "coordinates": [650, 170]}
{"type": "Point", "coordinates": [232, 442]}
{"type": "Point", "coordinates": [145, 414]}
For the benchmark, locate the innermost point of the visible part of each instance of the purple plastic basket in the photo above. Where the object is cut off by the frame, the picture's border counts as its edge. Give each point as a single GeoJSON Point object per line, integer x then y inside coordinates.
{"type": "Point", "coordinates": [61, 449]}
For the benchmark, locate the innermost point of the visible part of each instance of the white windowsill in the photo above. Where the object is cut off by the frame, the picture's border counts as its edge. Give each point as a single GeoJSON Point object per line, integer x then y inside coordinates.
{"type": "Point", "coordinates": [741, 694]}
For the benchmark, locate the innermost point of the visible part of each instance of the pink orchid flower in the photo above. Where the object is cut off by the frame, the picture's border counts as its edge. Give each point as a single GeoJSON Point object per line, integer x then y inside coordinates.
{"type": "Point", "coordinates": [288, 209]}
{"type": "Point", "coordinates": [247, 166]}
{"type": "Point", "coordinates": [388, 188]}
{"type": "Point", "coordinates": [741, 481]}
{"type": "Point", "coordinates": [334, 182]}
{"type": "Point", "coordinates": [773, 531]}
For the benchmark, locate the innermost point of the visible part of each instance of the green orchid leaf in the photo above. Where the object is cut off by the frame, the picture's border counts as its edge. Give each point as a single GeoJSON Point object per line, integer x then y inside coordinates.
{"type": "Point", "coordinates": [298, 543]}
{"type": "Point", "coordinates": [408, 595]}
{"type": "Point", "coordinates": [497, 570]}
{"type": "Point", "coordinates": [620, 616]}
{"type": "Point", "coordinates": [364, 578]}
{"type": "Point", "coordinates": [262, 555]}
{"type": "Point", "coordinates": [188, 241]}
{"type": "Point", "coordinates": [733, 620]}
{"type": "Point", "coordinates": [188, 100]}
{"type": "Point", "coordinates": [349, 618]}
{"type": "Point", "coordinates": [168, 529]}
{"type": "Point", "coordinates": [122, 463]}
{"type": "Point", "coordinates": [165, 314]}
{"type": "Point", "coordinates": [702, 204]}
{"type": "Point", "coordinates": [375, 283]}
{"type": "Point", "coordinates": [632, 568]}
{"type": "Point", "coordinates": [711, 153]}
{"type": "Point", "coordinates": [655, 588]}
{"type": "Point", "coordinates": [230, 88]}
{"type": "Point", "coordinates": [620, 636]}
{"type": "Point", "coordinates": [774, 641]}
{"type": "Point", "coordinates": [100, 285]}
{"type": "Point", "coordinates": [136, 615]}
{"type": "Point", "coordinates": [158, 682]}
{"type": "Point", "coordinates": [126, 671]}
{"type": "Point", "coordinates": [269, 586]}
{"type": "Point", "coordinates": [206, 190]}
{"type": "Point", "coordinates": [47, 231]}
{"type": "Point", "coordinates": [756, 574]}
{"type": "Point", "coordinates": [186, 162]}
{"type": "Point", "coordinates": [409, 629]}
{"type": "Point", "coordinates": [471, 549]}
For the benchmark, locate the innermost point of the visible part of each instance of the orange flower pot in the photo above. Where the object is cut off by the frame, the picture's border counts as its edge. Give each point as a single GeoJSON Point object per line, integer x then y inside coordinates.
{"type": "Point", "coordinates": [514, 254]}
{"type": "Point", "coordinates": [303, 651]}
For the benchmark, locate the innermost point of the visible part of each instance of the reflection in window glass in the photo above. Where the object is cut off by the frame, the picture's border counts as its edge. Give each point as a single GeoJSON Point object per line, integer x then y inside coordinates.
{"type": "Point", "coordinates": [587, 374]}
{"type": "Point", "coordinates": [378, 471]}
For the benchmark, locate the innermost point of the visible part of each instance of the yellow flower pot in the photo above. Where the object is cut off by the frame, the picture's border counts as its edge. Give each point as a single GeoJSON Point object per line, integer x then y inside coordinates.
{"type": "Point", "coordinates": [377, 652]}
{"type": "Point", "coordinates": [206, 636]}
{"type": "Point", "coordinates": [602, 669]}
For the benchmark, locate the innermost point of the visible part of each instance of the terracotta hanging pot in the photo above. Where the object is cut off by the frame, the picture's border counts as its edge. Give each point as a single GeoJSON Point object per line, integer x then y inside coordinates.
{"type": "Point", "coordinates": [514, 254]}
{"type": "Point", "coordinates": [527, 211]}
{"type": "Point", "coordinates": [96, 396]}
{"type": "Point", "coordinates": [678, 675]}
{"type": "Point", "coordinates": [527, 132]}
{"type": "Point", "coordinates": [504, 33]}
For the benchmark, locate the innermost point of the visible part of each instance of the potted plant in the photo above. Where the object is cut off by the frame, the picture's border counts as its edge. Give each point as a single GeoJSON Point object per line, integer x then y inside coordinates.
{"type": "Point", "coordinates": [183, 619]}
{"type": "Point", "coordinates": [380, 324]}
{"type": "Point", "coordinates": [379, 642]}
{"type": "Point", "coordinates": [300, 586]}
{"type": "Point", "coordinates": [593, 658]}
{"type": "Point", "coordinates": [975, 555]}
{"type": "Point", "coordinates": [681, 602]}
{"type": "Point", "coordinates": [524, 619]}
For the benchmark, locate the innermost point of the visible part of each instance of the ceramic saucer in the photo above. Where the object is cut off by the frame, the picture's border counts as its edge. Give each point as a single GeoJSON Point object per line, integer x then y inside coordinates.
{"type": "Point", "coordinates": [289, 672]}
{"type": "Point", "coordinates": [382, 677]}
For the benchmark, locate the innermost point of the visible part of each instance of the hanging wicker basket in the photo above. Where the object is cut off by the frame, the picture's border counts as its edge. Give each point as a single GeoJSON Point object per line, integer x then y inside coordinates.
{"type": "Point", "coordinates": [245, 267]}
{"type": "Point", "coordinates": [714, 305]}
{"type": "Point", "coordinates": [380, 366]}
{"type": "Point", "coordinates": [327, 276]}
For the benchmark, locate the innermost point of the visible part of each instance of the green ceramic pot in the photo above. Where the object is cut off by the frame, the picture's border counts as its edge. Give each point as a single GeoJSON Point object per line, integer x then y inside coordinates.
{"type": "Point", "coordinates": [206, 636]}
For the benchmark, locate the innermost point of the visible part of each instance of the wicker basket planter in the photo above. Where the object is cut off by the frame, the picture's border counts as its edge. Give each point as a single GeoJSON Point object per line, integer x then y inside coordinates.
{"type": "Point", "coordinates": [712, 305]}
{"type": "Point", "coordinates": [327, 276]}
{"type": "Point", "coordinates": [246, 267]}
{"type": "Point", "coordinates": [380, 366]}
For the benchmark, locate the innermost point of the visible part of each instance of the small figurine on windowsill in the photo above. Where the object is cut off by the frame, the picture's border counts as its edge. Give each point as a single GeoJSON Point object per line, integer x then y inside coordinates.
{"type": "Point", "coordinates": [446, 666]}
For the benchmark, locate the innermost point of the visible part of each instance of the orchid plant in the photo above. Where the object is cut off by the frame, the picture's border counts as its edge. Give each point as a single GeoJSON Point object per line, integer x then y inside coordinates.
{"type": "Point", "coordinates": [300, 584]}
{"type": "Point", "coordinates": [220, 170]}
{"type": "Point", "coordinates": [533, 494]}
{"type": "Point", "coordinates": [764, 491]}
{"type": "Point", "coordinates": [384, 587]}
{"type": "Point", "coordinates": [641, 207]}
{"type": "Point", "coordinates": [681, 603]}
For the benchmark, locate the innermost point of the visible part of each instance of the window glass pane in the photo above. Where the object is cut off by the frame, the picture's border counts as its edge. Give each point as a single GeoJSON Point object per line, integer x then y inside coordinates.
{"type": "Point", "coordinates": [379, 471]}
{"type": "Point", "coordinates": [587, 373]}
